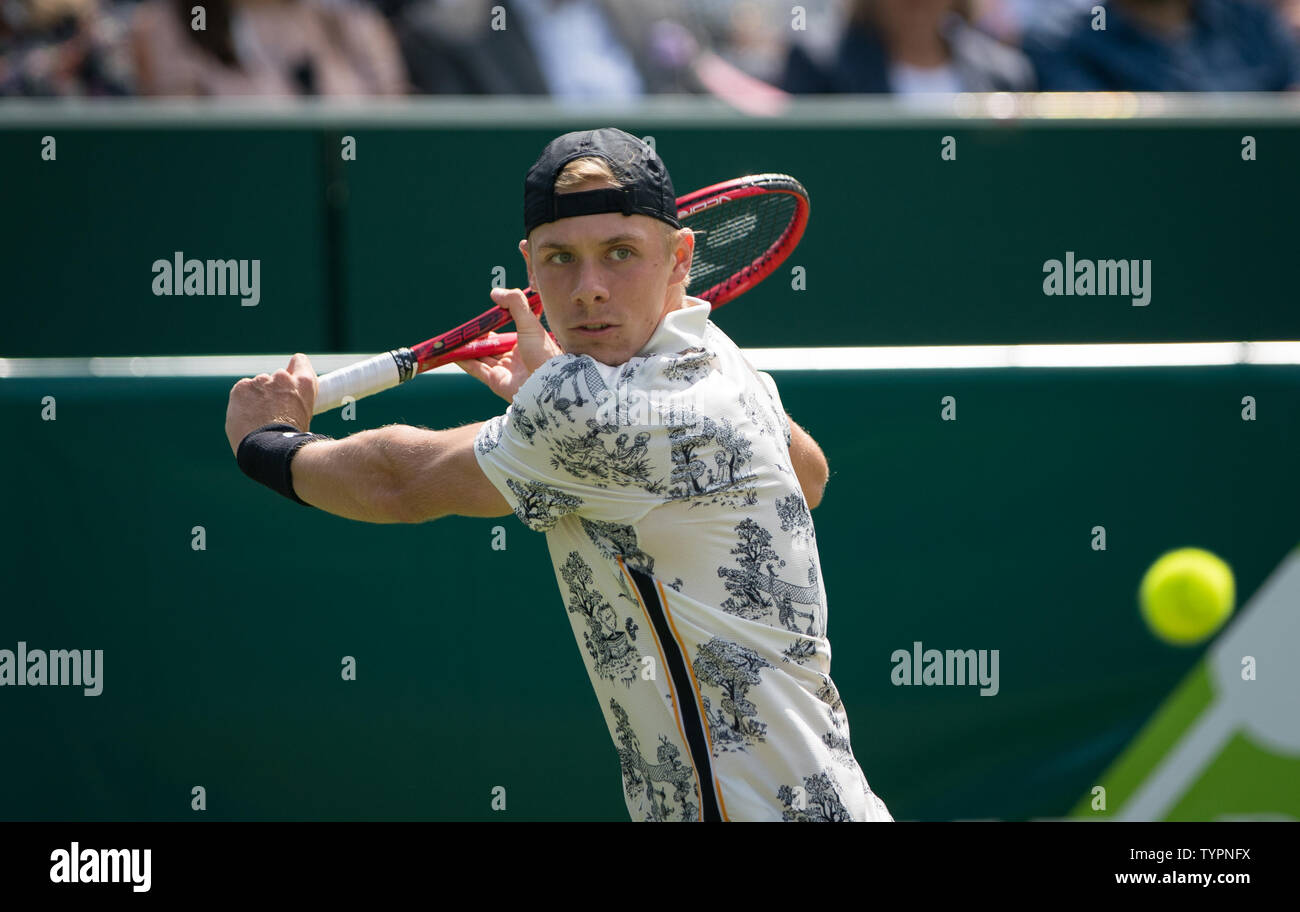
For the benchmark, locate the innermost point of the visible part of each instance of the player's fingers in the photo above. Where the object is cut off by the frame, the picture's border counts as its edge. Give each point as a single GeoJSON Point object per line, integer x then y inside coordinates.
{"type": "Point", "coordinates": [482, 369]}
{"type": "Point", "coordinates": [300, 364]}
{"type": "Point", "coordinates": [301, 368]}
{"type": "Point", "coordinates": [493, 360]}
{"type": "Point", "coordinates": [533, 343]}
{"type": "Point", "coordinates": [507, 298]}
{"type": "Point", "coordinates": [514, 300]}
{"type": "Point", "coordinates": [472, 367]}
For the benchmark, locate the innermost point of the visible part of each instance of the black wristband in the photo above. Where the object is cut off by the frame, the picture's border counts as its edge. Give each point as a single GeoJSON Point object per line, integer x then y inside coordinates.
{"type": "Point", "coordinates": [266, 453]}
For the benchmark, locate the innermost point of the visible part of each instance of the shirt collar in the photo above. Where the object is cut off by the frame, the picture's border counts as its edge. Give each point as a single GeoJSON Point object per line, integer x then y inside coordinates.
{"type": "Point", "coordinates": [679, 329]}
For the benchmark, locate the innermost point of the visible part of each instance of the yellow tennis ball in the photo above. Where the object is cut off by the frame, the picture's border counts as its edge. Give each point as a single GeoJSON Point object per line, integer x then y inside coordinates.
{"type": "Point", "coordinates": [1187, 595]}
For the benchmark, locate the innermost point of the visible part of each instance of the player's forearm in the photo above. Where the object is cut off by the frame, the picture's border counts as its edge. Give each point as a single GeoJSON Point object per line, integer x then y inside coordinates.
{"type": "Point", "coordinates": [810, 465]}
{"type": "Point", "coordinates": [398, 474]}
{"type": "Point", "coordinates": [354, 477]}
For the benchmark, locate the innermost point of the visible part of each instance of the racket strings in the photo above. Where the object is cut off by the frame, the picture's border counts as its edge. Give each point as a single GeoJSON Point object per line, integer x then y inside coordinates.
{"type": "Point", "coordinates": [735, 235]}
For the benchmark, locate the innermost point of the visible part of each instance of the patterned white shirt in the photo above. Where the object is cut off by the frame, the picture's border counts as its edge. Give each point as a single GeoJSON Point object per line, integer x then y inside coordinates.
{"type": "Point", "coordinates": [687, 560]}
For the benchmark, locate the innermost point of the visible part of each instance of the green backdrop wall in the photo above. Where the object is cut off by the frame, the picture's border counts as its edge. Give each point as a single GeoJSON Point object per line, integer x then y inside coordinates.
{"type": "Point", "coordinates": [222, 665]}
{"type": "Point", "coordinates": [903, 248]}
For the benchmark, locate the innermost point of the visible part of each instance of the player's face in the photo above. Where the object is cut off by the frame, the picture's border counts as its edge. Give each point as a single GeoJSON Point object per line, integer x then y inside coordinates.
{"type": "Point", "coordinates": [605, 280]}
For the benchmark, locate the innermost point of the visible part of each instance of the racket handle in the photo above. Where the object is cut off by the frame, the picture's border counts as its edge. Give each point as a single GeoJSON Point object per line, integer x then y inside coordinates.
{"type": "Point", "coordinates": [364, 378]}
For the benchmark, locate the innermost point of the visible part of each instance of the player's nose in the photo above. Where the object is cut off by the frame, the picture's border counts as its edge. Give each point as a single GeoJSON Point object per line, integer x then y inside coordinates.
{"type": "Point", "coordinates": [591, 288]}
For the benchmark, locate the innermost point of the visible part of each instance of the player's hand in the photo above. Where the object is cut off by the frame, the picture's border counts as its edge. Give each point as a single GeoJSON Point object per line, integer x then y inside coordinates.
{"type": "Point", "coordinates": [285, 397]}
{"type": "Point", "coordinates": [505, 373]}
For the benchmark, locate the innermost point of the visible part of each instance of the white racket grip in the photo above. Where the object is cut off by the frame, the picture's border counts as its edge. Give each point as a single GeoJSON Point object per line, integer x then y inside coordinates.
{"type": "Point", "coordinates": [364, 378]}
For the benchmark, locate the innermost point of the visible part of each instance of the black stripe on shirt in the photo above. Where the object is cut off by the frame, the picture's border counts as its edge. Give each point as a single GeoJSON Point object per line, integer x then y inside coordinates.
{"type": "Point", "coordinates": [697, 741]}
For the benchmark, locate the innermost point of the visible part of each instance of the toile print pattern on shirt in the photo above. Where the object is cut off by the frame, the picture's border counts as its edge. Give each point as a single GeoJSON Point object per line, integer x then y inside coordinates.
{"type": "Point", "coordinates": [726, 671]}
{"type": "Point", "coordinates": [648, 782]}
{"type": "Point", "coordinates": [610, 643]}
{"type": "Point", "coordinates": [763, 418]}
{"type": "Point", "coordinates": [757, 593]}
{"type": "Point", "coordinates": [619, 540]}
{"type": "Point", "coordinates": [837, 739]}
{"type": "Point", "coordinates": [593, 456]}
{"type": "Point", "coordinates": [540, 504]}
{"type": "Point", "coordinates": [800, 651]}
{"type": "Point", "coordinates": [729, 480]}
{"type": "Point", "coordinates": [522, 424]}
{"type": "Point", "coordinates": [690, 366]}
{"type": "Point", "coordinates": [572, 374]}
{"type": "Point", "coordinates": [816, 801]}
{"type": "Point", "coordinates": [795, 519]}
{"type": "Point", "coordinates": [686, 558]}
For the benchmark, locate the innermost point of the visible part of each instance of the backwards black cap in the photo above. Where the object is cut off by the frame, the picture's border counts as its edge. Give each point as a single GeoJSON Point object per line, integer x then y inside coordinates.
{"type": "Point", "coordinates": [646, 187]}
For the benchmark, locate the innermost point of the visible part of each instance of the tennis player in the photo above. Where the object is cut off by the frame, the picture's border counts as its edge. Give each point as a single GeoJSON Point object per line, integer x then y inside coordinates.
{"type": "Point", "coordinates": [674, 490]}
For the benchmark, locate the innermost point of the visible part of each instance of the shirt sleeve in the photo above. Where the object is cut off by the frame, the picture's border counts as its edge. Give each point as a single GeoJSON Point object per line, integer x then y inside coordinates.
{"type": "Point", "coordinates": [562, 449]}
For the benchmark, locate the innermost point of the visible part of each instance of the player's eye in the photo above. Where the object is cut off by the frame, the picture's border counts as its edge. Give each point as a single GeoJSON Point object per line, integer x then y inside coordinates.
{"type": "Point", "coordinates": [627, 250]}
{"type": "Point", "coordinates": [555, 257]}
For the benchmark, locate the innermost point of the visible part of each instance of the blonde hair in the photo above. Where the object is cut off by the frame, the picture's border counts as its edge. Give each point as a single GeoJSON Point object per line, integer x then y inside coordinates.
{"type": "Point", "coordinates": [592, 169]}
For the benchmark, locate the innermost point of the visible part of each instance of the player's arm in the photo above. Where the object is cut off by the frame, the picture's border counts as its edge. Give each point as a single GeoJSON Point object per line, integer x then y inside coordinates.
{"type": "Point", "coordinates": [809, 464]}
{"type": "Point", "coordinates": [397, 474]}
{"type": "Point", "coordinates": [388, 475]}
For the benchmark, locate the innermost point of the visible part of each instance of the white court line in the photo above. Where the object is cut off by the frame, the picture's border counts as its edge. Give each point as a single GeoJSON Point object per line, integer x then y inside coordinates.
{"type": "Point", "coordinates": [919, 357]}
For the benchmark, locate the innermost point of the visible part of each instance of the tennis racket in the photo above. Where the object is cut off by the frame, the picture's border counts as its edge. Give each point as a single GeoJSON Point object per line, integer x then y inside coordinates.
{"type": "Point", "coordinates": [744, 229]}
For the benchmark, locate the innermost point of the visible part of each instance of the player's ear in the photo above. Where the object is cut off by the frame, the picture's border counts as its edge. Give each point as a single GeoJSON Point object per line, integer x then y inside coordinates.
{"type": "Point", "coordinates": [683, 254]}
{"type": "Point", "coordinates": [528, 262]}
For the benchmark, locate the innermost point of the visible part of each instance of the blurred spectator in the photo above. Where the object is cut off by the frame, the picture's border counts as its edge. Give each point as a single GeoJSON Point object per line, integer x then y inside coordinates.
{"type": "Point", "coordinates": [1289, 10]}
{"type": "Point", "coordinates": [752, 43]}
{"type": "Point", "coordinates": [266, 47]}
{"type": "Point", "coordinates": [64, 47]}
{"type": "Point", "coordinates": [749, 34]}
{"type": "Point", "coordinates": [906, 47]}
{"type": "Point", "coordinates": [1010, 20]}
{"type": "Point", "coordinates": [571, 49]}
{"type": "Point", "coordinates": [1170, 46]}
